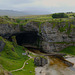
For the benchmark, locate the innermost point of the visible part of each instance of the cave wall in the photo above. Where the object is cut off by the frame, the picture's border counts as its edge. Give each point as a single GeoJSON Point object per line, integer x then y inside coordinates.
{"type": "Point", "coordinates": [7, 30]}
{"type": "Point", "coordinates": [52, 39]}
{"type": "Point", "coordinates": [28, 38]}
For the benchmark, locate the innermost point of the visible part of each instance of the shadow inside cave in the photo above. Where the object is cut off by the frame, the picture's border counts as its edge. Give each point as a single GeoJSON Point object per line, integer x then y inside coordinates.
{"type": "Point", "coordinates": [28, 39]}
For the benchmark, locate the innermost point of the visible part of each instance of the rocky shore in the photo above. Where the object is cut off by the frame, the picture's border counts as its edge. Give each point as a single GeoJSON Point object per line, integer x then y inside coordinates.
{"type": "Point", "coordinates": [56, 68]}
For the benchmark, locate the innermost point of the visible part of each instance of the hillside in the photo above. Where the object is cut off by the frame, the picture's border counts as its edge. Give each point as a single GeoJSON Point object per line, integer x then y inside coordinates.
{"type": "Point", "coordinates": [11, 58]}
{"type": "Point", "coordinates": [12, 13]}
{"type": "Point", "coordinates": [54, 31]}
{"type": "Point", "coordinates": [21, 13]}
{"type": "Point", "coordinates": [39, 32]}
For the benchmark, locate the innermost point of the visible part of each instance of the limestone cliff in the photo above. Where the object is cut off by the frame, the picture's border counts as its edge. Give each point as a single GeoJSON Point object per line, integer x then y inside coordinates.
{"type": "Point", "coordinates": [52, 38]}
{"type": "Point", "coordinates": [6, 29]}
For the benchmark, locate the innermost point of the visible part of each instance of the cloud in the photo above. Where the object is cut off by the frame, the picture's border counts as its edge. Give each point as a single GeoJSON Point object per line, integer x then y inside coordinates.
{"type": "Point", "coordinates": [48, 5]}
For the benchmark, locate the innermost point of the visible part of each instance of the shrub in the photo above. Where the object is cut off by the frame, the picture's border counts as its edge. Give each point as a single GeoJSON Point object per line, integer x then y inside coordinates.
{"type": "Point", "coordinates": [60, 15]}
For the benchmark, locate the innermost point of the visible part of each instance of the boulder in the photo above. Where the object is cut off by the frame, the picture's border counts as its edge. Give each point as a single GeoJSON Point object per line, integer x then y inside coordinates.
{"type": "Point", "coordinates": [40, 61]}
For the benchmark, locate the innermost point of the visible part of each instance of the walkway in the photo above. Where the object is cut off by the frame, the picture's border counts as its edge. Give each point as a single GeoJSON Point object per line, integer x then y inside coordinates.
{"type": "Point", "coordinates": [22, 66]}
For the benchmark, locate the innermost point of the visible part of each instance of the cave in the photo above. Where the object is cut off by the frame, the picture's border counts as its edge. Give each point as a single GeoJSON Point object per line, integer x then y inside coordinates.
{"type": "Point", "coordinates": [28, 39]}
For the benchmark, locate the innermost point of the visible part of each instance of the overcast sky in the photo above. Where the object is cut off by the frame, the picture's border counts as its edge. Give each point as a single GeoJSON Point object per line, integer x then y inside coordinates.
{"type": "Point", "coordinates": [47, 6]}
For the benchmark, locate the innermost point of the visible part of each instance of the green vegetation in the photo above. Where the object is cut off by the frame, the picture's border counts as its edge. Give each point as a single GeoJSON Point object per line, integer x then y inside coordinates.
{"type": "Point", "coordinates": [21, 28]}
{"type": "Point", "coordinates": [1, 70]}
{"type": "Point", "coordinates": [69, 50]}
{"type": "Point", "coordinates": [11, 58]}
{"type": "Point", "coordinates": [59, 15]}
{"type": "Point", "coordinates": [64, 24]}
{"type": "Point", "coordinates": [28, 69]}
{"type": "Point", "coordinates": [7, 20]}
{"type": "Point", "coordinates": [14, 40]}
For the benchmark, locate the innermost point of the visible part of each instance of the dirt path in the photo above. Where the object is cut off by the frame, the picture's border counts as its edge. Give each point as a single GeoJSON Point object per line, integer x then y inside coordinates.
{"type": "Point", "coordinates": [22, 66]}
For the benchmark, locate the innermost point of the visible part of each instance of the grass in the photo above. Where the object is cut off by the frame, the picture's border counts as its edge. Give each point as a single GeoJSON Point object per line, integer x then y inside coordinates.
{"type": "Point", "coordinates": [63, 24]}
{"type": "Point", "coordinates": [28, 69]}
{"type": "Point", "coordinates": [11, 58]}
{"type": "Point", "coordinates": [69, 50]}
{"type": "Point", "coordinates": [11, 62]}
{"type": "Point", "coordinates": [1, 70]}
{"type": "Point", "coordinates": [7, 20]}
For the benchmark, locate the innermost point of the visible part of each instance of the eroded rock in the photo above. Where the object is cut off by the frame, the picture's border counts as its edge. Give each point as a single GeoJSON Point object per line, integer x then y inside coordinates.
{"type": "Point", "coordinates": [40, 61]}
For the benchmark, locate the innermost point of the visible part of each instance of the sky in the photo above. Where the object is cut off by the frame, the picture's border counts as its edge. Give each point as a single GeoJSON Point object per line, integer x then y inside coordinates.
{"type": "Point", "coordinates": [45, 6]}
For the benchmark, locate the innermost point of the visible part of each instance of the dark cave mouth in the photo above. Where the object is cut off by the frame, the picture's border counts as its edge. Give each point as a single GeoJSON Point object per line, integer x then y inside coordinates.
{"type": "Point", "coordinates": [28, 39]}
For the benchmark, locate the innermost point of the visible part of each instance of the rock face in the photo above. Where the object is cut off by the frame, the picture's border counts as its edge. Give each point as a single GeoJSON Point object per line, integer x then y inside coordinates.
{"type": "Point", "coordinates": [39, 61]}
{"type": "Point", "coordinates": [31, 26]}
{"type": "Point", "coordinates": [6, 29]}
{"type": "Point", "coordinates": [51, 34]}
{"type": "Point", "coordinates": [55, 47]}
{"type": "Point", "coordinates": [2, 44]}
{"type": "Point", "coordinates": [52, 39]}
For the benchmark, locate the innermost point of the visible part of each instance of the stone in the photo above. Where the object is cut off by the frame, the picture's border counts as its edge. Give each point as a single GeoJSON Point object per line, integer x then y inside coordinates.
{"type": "Point", "coordinates": [24, 53]}
{"type": "Point", "coordinates": [27, 63]}
{"type": "Point", "coordinates": [6, 29]}
{"type": "Point", "coordinates": [13, 49]}
{"type": "Point", "coordinates": [40, 61]}
{"type": "Point", "coordinates": [50, 35]}
{"type": "Point", "coordinates": [2, 45]}
{"type": "Point", "coordinates": [30, 71]}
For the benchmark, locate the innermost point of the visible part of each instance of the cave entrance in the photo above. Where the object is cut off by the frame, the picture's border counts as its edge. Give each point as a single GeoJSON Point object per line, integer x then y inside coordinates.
{"type": "Point", "coordinates": [29, 39]}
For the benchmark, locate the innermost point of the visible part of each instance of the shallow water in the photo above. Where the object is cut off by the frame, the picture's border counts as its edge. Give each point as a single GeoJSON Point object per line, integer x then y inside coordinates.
{"type": "Point", "coordinates": [55, 66]}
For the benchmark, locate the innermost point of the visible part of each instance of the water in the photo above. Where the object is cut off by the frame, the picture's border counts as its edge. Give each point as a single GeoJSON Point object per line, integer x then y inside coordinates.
{"type": "Point", "coordinates": [55, 66]}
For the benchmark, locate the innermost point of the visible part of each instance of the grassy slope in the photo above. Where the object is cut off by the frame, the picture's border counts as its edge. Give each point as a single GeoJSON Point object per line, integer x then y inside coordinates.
{"type": "Point", "coordinates": [10, 63]}
{"type": "Point", "coordinates": [7, 20]}
{"type": "Point", "coordinates": [12, 60]}
{"type": "Point", "coordinates": [69, 50]}
{"type": "Point", "coordinates": [27, 69]}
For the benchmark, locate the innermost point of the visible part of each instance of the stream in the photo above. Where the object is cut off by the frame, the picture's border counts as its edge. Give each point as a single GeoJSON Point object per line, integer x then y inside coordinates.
{"type": "Point", "coordinates": [55, 66]}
